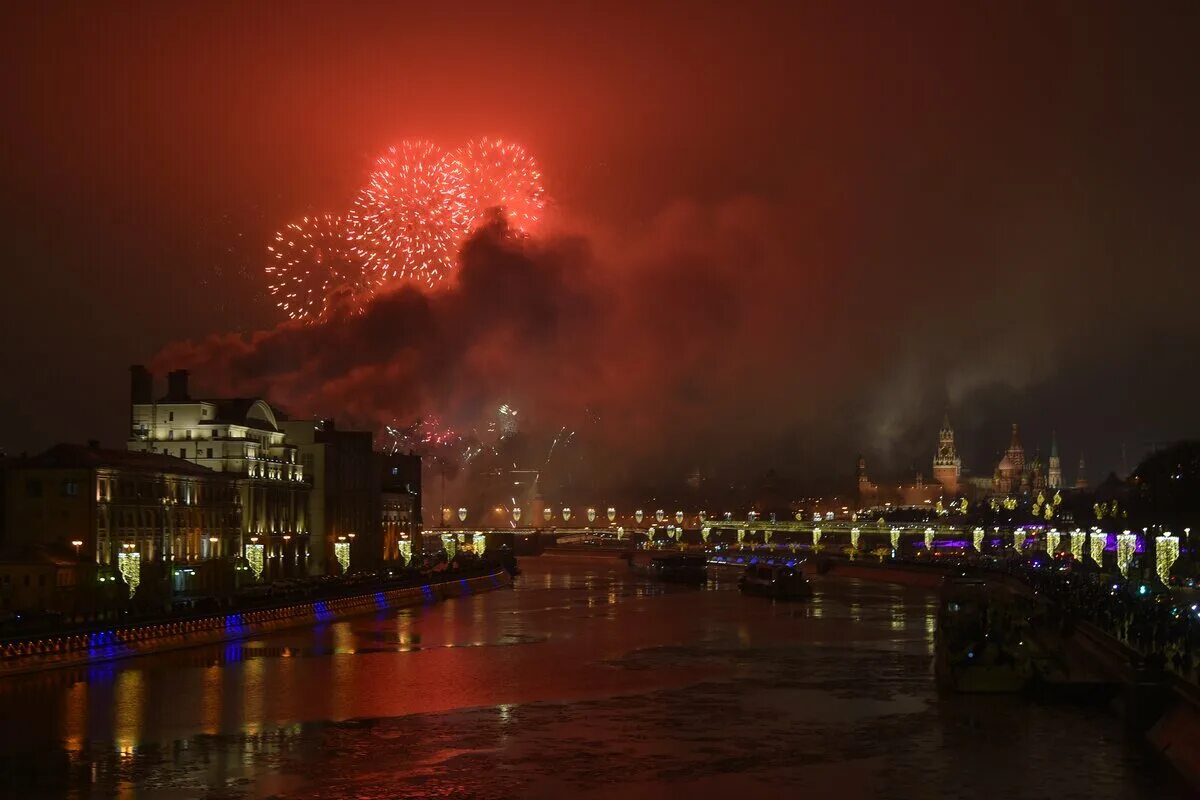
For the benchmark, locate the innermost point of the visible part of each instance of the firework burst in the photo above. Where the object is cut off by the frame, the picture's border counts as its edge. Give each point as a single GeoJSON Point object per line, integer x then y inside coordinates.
{"type": "Point", "coordinates": [408, 219]}
{"type": "Point", "coordinates": [315, 271]}
{"type": "Point", "coordinates": [503, 175]}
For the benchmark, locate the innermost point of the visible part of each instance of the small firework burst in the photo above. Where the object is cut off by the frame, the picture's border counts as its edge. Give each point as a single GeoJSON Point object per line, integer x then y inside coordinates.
{"type": "Point", "coordinates": [315, 272]}
{"type": "Point", "coordinates": [408, 220]}
{"type": "Point", "coordinates": [502, 175]}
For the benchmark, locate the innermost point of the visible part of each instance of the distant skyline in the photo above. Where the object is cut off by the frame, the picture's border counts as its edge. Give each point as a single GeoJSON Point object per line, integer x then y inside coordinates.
{"type": "Point", "coordinates": [800, 232]}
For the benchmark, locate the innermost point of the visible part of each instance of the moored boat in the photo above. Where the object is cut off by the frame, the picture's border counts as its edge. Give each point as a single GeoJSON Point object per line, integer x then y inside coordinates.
{"type": "Point", "coordinates": [669, 567]}
{"type": "Point", "coordinates": [779, 582]}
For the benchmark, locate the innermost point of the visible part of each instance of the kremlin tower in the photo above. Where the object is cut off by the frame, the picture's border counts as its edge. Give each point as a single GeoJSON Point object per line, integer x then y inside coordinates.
{"type": "Point", "coordinates": [1054, 479]}
{"type": "Point", "coordinates": [1081, 481]}
{"type": "Point", "coordinates": [947, 466]}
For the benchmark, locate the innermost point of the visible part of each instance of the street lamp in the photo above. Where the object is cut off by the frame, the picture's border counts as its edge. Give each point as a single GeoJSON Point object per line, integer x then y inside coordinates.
{"type": "Point", "coordinates": [77, 543]}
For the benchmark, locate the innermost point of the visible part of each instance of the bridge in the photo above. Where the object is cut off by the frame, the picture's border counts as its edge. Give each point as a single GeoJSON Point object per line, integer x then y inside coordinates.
{"type": "Point", "coordinates": [795, 535]}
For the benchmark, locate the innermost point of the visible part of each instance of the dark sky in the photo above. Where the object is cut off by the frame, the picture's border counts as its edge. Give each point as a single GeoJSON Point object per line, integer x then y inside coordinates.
{"type": "Point", "coordinates": [788, 233]}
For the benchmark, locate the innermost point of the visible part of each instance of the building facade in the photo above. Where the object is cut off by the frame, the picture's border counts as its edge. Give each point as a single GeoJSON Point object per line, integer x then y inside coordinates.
{"type": "Point", "coordinates": [399, 477]}
{"type": "Point", "coordinates": [158, 524]}
{"type": "Point", "coordinates": [241, 438]}
{"type": "Point", "coordinates": [343, 506]}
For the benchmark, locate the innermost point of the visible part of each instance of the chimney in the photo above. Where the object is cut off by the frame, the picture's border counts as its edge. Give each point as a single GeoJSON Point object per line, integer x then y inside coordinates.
{"type": "Point", "coordinates": [177, 385]}
{"type": "Point", "coordinates": [141, 385]}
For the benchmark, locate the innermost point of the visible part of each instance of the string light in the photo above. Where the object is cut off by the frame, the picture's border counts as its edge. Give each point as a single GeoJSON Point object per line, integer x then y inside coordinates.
{"type": "Point", "coordinates": [254, 557]}
{"type": "Point", "coordinates": [929, 539]}
{"type": "Point", "coordinates": [977, 539]}
{"type": "Point", "coordinates": [130, 565]}
{"type": "Point", "coordinates": [1097, 542]}
{"type": "Point", "coordinates": [341, 551]}
{"type": "Point", "coordinates": [1126, 546]}
{"type": "Point", "coordinates": [1166, 552]}
{"type": "Point", "coordinates": [1053, 538]}
{"type": "Point", "coordinates": [1078, 537]}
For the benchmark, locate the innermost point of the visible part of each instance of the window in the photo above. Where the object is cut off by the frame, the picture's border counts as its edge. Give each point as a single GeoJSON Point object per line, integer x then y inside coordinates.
{"type": "Point", "coordinates": [170, 434]}
{"type": "Point", "coordinates": [33, 488]}
{"type": "Point", "coordinates": [170, 416]}
{"type": "Point", "coordinates": [70, 488]}
{"type": "Point", "coordinates": [189, 433]}
{"type": "Point", "coordinates": [183, 452]}
{"type": "Point", "coordinates": [210, 452]}
{"type": "Point", "coordinates": [41, 581]}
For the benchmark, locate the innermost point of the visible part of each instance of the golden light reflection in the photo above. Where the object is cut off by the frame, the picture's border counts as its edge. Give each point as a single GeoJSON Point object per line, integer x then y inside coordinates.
{"type": "Point", "coordinates": [210, 700]}
{"type": "Point", "coordinates": [75, 716]}
{"type": "Point", "coordinates": [253, 694]}
{"type": "Point", "coordinates": [341, 670]}
{"type": "Point", "coordinates": [129, 700]}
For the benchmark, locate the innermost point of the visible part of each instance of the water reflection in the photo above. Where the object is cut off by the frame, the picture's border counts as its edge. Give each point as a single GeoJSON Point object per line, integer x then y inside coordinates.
{"type": "Point", "coordinates": [128, 702]}
{"type": "Point", "coordinates": [582, 677]}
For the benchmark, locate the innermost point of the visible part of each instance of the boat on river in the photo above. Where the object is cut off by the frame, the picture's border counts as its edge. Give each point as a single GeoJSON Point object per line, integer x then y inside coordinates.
{"type": "Point", "coordinates": [980, 645]}
{"type": "Point", "coordinates": [776, 581]}
{"type": "Point", "coordinates": [669, 567]}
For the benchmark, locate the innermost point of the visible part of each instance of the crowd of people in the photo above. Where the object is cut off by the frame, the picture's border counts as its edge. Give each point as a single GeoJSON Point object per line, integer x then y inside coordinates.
{"type": "Point", "coordinates": [1162, 629]}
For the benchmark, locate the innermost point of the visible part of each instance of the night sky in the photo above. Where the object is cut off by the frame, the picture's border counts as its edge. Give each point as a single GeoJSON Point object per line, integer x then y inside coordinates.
{"type": "Point", "coordinates": [778, 235]}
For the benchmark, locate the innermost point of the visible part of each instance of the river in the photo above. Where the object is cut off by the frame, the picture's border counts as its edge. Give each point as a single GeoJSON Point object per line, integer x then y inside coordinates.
{"type": "Point", "coordinates": [581, 681]}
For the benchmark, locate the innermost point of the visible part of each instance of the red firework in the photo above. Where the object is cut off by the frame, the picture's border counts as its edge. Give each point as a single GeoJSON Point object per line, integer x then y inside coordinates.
{"type": "Point", "coordinates": [408, 219]}
{"type": "Point", "coordinates": [502, 175]}
{"type": "Point", "coordinates": [315, 271]}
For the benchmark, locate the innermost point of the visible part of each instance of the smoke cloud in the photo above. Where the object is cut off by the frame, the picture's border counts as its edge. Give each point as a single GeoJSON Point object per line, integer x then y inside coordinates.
{"type": "Point", "coordinates": [709, 346]}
